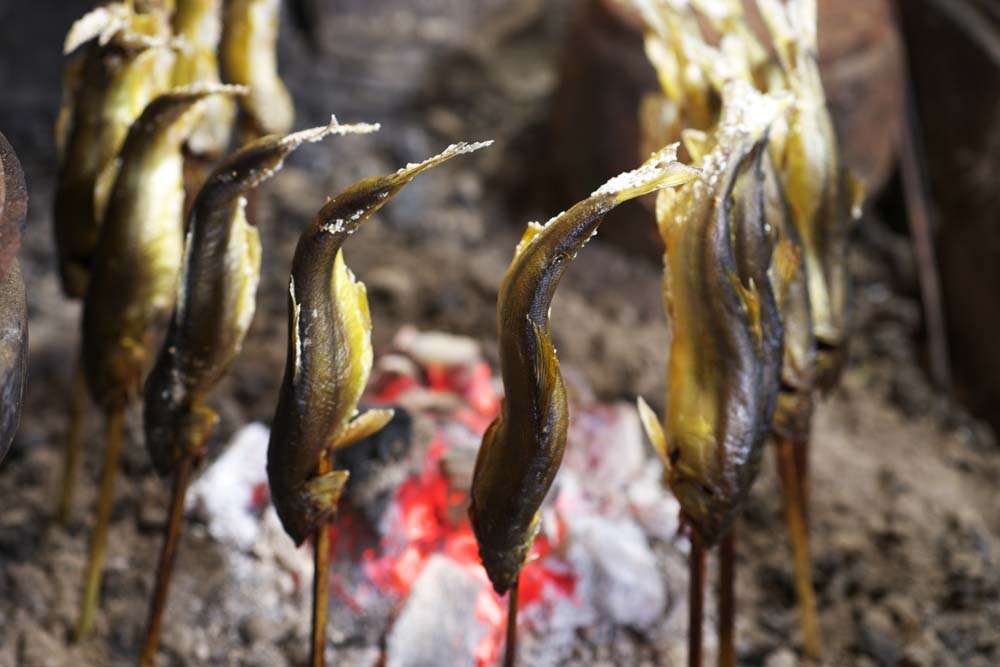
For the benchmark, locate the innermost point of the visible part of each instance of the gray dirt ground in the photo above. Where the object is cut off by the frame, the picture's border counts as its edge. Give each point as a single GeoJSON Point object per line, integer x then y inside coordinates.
{"type": "Point", "coordinates": [905, 515]}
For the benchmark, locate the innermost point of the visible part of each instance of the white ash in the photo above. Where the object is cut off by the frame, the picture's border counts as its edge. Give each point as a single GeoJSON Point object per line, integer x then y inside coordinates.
{"type": "Point", "coordinates": [438, 624]}
{"type": "Point", "coordinates": [223, 494]}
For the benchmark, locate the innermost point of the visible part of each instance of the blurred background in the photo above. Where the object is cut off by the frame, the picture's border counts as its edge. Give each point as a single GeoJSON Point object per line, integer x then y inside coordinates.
{"type": "Point", "coordinates": [906, 520]}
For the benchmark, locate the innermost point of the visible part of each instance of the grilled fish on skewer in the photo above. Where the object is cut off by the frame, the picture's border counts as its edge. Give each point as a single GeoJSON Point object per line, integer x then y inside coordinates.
{"type": "Point", "coordinates": [216, 296]}
{"type": "Point", "coordinates": [725, 352]}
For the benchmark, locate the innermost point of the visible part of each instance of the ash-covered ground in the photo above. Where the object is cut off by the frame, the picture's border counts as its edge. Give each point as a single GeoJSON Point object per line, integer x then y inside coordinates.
{"type": "Point", "coordinates": [905, 518]}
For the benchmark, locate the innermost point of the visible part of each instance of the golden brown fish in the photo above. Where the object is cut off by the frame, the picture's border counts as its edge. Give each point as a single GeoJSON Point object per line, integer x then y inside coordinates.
{"type": "Point", "coordinates": [199, 24]}
{"type": "Point", "coordinates": [139, 252]}
{"type": "Point", "coordinates": [124, 63]}
{"type": "Point", "coordinates": [216, 294]}
{"type": "Point", "coordinates": [329, 355]}
{"type": "Point", "coordinates": [821, 195]}
{"type": "Point", "coordinates": [522, 449]}
{"type": "Point", "coordinates": [249, 57]}
{"type": "Point", "coordinates": [725, 351]}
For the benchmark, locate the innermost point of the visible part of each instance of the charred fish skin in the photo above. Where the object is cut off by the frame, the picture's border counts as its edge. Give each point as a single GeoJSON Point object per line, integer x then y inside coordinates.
{"type": "Point", "coordinates": [329, 355]}
{"type": "Point", "coordinates": [13, 304]}
{"type": "Point", "coordinates": [124, 63]}
{"type": "Point", "coordinates": [139, 252]}
{"type": "Point", "coordinates": [523, 448]}
{"type": "Point", "coordinates": [725, 353]}
{"type": "Point", "coordinates": [248, 55]}
{"type": "Point", "coordinates": [216, 294]}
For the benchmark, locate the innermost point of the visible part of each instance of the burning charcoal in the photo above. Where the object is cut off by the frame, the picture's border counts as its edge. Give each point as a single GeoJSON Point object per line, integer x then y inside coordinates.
{"type": "Point", "coordinates": [13, 306]}
{"type": "Point", "coordinates": [376, 465]}
{"type": "Point", "coordinates": [438, 624]}
{"type": "Point", "coordinates": [628, 585]}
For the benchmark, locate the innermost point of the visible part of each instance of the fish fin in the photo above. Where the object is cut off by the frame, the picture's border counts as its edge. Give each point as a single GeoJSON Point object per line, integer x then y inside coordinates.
{"type": "Point", "coordinates": [323, 491]}
{"type": "Point", "coordinates": [750, 304]}
{"type": "Point", "coordinates": [294, 310]}
{"type": "Point", "coordinates": [654, 431]}
{"type": "Point", "coordinates": [546, 371]}
{"type": "Point", "coordinates": [362, 426]}
{"type": "Point", "coordinates": [530, 232]}
{"type": "Point", "coordinates": [696, 143]}
{"type": "Point", "coordinates": [103, 23]}
{"type": "Point", "coordinates": [787, 263]}
{"type": "Point", "coordinates": [200, 423]}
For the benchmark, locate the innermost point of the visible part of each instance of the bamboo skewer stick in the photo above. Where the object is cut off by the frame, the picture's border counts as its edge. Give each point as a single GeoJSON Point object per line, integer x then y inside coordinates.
{"type": "Point", "coordinates": [74, 444]}
{"type": "Point", "coordinates": [801, 455]}
{"type": "Point", "coordinates": [168, 554]}
{"type": "Point", "coordinates": [98, 540]}
{"type": "Point", "coordinates": [727, 600]}
{"type": "Point", "coordinates": [321, 582]}
{"type": "Point", "coordinates": [510, 652]}
{"type": "Point", "coordinates": [696, 600]}
{"type": "Point", "coordinates": [799, 538]}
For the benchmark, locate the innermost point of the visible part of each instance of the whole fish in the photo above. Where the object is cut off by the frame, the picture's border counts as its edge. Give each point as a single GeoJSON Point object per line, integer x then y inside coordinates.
{"type": "Point", "coordinates": [329, 355]}
{"type": "Point", "coordinates": [216, 294]}
{"type": "Point", "coordinates": [726, 335]}
{"type": "Point", "coordinates": [822, 196]}
{"type": "Point", "coordinates": [123, 60]}
{"type": "Point", "coordinates": [793, 411]}
{"type": "Point", "coordinates": [249, 57]}
{"type": "Point", "coordinates": [13, 307]}
{"type": "Point", "coordinates": [199, 24]}
{"type": "Point", "coordinates": [523, 447]}
{"type": "Point", "coordinates": [139, 252]}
